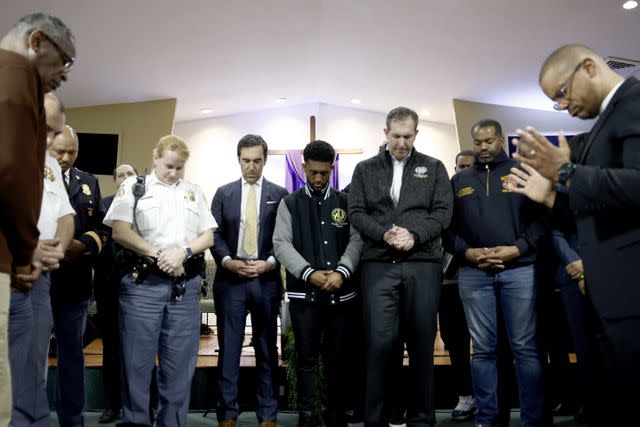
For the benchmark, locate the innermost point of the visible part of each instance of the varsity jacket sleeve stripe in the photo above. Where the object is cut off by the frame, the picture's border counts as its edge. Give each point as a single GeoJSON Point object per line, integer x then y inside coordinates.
{"type": "Point", "coordinates": [349, 260]}
{"type": "Point", "coordinates": [286, 254]}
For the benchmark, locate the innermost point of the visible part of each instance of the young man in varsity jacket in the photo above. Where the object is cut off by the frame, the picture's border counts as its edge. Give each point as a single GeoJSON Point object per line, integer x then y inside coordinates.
{"type": "Point", "coordinates": [320, 250]}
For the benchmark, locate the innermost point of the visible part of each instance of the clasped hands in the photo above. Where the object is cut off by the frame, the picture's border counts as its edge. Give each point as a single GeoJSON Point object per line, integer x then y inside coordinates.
{"type": "Point", "coordinates": [171, 262]}
{"type": "Point", "coordinates": [326, 280]}
{"type": "Point", "coordinates": [248, 268]}
{"type": "Point", "coordinates": [399, 238]}
{"type": "Point", "coordinates": [541, 161]}
{"type": "Point", "coordinates": [491, 258]}
{"type": "Point", "coordinates": [46, 257]}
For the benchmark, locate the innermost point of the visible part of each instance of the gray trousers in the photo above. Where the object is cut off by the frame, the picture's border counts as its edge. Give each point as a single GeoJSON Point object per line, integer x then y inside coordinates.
{"type": "Point", "coordinates": [402, 296]}
{"type": "Point", "coordinates": [29, 331]}
{"type": "Point", "coordinates": [152, 323]}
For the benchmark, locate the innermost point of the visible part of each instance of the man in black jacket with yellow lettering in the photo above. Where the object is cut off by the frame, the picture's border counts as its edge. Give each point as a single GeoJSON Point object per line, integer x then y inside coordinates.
{"type": "Point", "coordinates": [494, 235]}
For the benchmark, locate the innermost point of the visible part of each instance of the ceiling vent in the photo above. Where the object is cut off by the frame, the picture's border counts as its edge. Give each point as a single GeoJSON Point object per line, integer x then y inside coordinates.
{"type": "Point", "coordinates": [624, 67]}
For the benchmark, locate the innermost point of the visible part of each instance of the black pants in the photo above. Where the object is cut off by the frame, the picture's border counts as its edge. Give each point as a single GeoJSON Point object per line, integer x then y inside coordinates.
{"type": "Point", "coordinates": [106, 294]}
{"type": "Point", "coordinates": [320, 328]}
{"type": "Point", "coordinates": [455, 335]}
{"type": "Point", "coordinates": [395, 293]}
{"type": "Point", "coordinates": [617, 371]}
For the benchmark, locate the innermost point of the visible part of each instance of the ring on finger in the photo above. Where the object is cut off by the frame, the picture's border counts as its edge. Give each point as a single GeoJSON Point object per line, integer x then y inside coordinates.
{"type": "Point", "coordinates": [532, 152]}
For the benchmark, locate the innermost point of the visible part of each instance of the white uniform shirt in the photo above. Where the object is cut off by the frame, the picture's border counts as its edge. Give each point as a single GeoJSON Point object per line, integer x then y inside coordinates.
{"type": "Point", "coordinates": [168, 216]}
{"type": "Point", "coordinates": [55, 200]}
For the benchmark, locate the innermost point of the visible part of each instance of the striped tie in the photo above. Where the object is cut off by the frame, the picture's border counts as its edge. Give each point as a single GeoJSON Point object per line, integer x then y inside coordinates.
{"type": "Point", "coordinates": [250, 240]}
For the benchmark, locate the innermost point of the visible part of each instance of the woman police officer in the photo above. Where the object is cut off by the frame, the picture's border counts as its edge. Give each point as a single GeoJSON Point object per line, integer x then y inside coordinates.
{"type": "Point", "coordinates": [165, 221]}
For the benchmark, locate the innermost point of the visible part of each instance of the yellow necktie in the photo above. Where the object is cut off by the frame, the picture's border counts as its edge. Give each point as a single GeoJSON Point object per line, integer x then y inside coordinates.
{"type": "Point", "coordinates": [250, 240]}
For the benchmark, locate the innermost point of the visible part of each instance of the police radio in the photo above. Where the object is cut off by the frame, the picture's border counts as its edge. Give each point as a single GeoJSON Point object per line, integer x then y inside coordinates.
{"type": "Point", "coordinates": [138, 190]}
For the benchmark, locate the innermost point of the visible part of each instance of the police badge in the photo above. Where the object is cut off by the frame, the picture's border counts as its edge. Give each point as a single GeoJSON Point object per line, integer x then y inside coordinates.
{"type": "Point", "coordinates": [86, 190]}
{"type": "Point", "coordinates": [191, 195]}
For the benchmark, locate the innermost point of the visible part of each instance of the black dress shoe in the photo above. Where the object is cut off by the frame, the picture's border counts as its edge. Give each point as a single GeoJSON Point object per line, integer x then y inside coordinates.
{"type": "Point", "coordinates": [109, 415]}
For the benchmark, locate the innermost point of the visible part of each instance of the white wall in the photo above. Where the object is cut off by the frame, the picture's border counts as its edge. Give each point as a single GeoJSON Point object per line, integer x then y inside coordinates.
{"type": "Point", "coordinates": [213, 141]}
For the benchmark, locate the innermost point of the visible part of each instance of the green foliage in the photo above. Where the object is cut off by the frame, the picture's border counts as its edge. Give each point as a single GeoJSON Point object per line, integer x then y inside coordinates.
{"type": "Point", "coordinates": [291, 357]}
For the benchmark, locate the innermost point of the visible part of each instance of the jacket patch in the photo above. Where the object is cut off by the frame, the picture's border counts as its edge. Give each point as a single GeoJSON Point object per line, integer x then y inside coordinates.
{"type": "Point", "coordinates": [508, 183]}
{"type": "Point", "coordinates": [338, 217]}
{"type": "Point", "coordinates": [420, 172]}
{"type": "Point", "coordinates": [466, 191]}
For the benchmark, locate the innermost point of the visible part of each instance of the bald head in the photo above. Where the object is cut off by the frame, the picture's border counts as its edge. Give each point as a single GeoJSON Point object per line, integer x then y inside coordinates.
{"type": "Point", "coordinates": [577, 79]}
{"type": "Point", "coordinates": [566, 57]}
{"type": "Point", "coordinates": [54, 111]}
{"type": "Point", "coordinates": [65, 148]}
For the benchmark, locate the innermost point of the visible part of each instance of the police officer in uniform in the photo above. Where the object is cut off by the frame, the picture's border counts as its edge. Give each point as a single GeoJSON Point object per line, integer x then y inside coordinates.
{"type": "Point", "coordinates": [320, 251]}
{"type": "Point", "coordinates": [107, 283]}
{"type": "Point", "coordinates": [71, 284]}
{"type": "Point", "coordinates": [30, 315]}
{"type": "Point", "coordinates": [166, 223]}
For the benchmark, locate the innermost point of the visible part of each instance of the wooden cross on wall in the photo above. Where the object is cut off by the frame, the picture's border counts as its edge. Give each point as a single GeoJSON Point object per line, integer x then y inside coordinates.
{"type": "Point", "coordinates": [312, 137]}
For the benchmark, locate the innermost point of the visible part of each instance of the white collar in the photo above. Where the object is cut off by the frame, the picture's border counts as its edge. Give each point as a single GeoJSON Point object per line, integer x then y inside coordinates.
{"type": "Point", "coordinates": [258, 182]}
{"type": "Point", "coordinates": [152, 178]}
{"type": "Point", "coordinates": [607, 99]}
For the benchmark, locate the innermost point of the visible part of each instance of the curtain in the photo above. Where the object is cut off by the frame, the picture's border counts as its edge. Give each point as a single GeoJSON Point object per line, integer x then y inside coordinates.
{"type": "Point", "coordinates": [294, 174]}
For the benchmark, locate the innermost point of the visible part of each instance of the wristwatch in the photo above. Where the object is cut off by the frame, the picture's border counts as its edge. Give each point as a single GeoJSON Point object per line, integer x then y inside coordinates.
{"type": "Point", "coordinates": [188, 252]}
{"type": "Point", "coordinates": [565, 173]}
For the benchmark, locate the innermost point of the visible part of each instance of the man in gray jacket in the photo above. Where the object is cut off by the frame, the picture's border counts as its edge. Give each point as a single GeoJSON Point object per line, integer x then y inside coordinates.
{"type": "Point", "coordinates": [400, 201]}
{"type": "Point", "coordinates": [320, 251]}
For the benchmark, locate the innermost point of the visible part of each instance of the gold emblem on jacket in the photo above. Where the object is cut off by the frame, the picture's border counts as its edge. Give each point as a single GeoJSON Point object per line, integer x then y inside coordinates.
{"type": "Point", "coordinates": [466, 191]}
{"type": "Point", "coordinates": [338, 216]}
{"type": "Point", "coordinates": [191, 195]}
{"type": "Point", "coordinates": [86, 190]}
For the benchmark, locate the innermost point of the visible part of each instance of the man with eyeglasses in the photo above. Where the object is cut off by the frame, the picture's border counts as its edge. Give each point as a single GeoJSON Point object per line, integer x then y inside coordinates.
{"type": "Point", "coordinates": [602, 193]}
{"type": "Point", "coordinates": [30, 66]}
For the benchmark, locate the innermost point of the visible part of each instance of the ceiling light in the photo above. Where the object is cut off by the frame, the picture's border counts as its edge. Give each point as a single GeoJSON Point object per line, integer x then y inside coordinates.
{"type": "Point", "coordinates": [630, 5]}
{"type": "Point", "coordinates": [426, 113]}
{"type": "Point", "coordinates": [280, 100]}
{"type": "Point", "coordinates": [206, 111]}
{"type": "Point", "coordinates": [355, 101]}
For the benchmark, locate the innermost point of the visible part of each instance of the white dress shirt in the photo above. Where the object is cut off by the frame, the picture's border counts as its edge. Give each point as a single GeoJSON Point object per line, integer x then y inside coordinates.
{"type": "Point", "coordinates": [607, 99]}
{"type": "Point", "coordinates": [243, 206]}
{"type": "Point", "coordinates": [396, 184]}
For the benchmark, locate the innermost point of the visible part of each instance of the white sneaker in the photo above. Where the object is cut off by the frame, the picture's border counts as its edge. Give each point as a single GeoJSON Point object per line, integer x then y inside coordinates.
{"type": "Point", "coordinates": [465, 409]}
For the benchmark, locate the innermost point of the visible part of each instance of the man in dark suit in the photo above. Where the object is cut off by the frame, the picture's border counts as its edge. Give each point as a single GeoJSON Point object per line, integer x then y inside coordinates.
{"type": "Point", "coordinates": [248, 280]}
{"type": "Point", "coordinates": [71, 284]}
{"type": "Point", "coordinates": [106, 295]}
{"type": "Point", "coordinates": [602, 192]}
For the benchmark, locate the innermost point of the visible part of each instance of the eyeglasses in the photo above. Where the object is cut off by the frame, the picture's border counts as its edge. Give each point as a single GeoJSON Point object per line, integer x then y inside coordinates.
{"type": "Point", "coordinates": [561, 94]}
{"type": "Point", "coordinates": [66, 59]}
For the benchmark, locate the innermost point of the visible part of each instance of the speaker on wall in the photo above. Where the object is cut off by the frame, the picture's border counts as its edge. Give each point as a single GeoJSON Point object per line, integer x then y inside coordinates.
{"type": "Point", "coordinates": [97, 152]}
